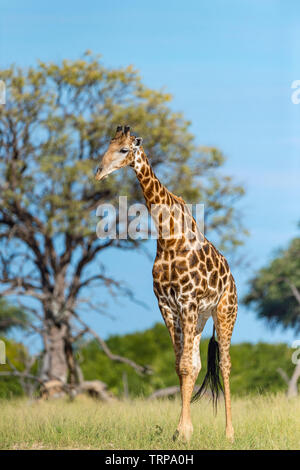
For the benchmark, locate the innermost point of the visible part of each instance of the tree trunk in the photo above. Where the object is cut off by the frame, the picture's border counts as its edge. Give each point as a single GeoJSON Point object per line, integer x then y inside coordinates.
{"type": "Point", "coordinates": [57, 352]}
{"type": "Point", "coordinates": [292, 386]}
{"type": "Point", "coordinates": [292, 383]}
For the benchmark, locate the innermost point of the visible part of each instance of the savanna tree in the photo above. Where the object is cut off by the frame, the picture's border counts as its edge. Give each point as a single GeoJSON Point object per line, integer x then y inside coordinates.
{"type": "Point", "coordinates": [275, 294]}
{"type": "Point", "coordinates": [56, 122]}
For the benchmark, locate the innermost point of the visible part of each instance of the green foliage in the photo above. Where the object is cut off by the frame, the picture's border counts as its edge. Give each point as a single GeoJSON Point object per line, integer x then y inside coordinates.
{"type": "Point", "coordinates": [11, 316]}
{"type": "Point", "coordinates": [272, 290]}
{"type": "Point", "coordinates": [254, 366]}
{"type": "Point", "coordinates": [15, 352]}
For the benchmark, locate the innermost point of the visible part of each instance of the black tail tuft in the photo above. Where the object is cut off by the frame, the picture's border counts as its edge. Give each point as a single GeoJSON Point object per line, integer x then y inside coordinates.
{"type": "Point", "coordinates": [212, 377]}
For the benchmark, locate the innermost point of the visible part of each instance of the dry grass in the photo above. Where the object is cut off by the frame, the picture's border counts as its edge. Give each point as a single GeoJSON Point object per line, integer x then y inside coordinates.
{"type": "Point", "coordinates": [260, 422]}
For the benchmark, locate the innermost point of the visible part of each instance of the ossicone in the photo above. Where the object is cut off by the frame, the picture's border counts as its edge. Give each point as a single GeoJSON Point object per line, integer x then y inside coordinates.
{"type": "Point", "coordinates": [127, 130]}
{"type": "Point", "coordinates": [119, 132]}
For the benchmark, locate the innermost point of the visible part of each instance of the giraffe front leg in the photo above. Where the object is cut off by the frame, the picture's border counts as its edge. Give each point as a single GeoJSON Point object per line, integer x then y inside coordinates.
{"type": "Point", "coordinates": [188, 368]}
{"type": "Point", "coordinates": [173, 323]}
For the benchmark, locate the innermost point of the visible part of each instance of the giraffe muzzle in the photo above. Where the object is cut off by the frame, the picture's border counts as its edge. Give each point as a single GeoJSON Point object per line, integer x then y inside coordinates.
{"type": "Point", "coordinates": [100, 174]}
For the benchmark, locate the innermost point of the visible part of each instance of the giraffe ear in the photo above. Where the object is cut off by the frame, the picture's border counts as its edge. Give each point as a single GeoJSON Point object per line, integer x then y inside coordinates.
{"type": "Point", "coordinates": [138, 141]}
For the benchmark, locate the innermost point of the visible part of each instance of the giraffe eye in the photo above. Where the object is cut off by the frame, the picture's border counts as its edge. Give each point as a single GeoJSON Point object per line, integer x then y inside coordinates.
{"type": "Point", "coordinates": [124, 150]}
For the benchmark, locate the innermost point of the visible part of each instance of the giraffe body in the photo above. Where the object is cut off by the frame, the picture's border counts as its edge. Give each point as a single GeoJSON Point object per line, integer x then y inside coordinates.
{"type": "Point", "coordinates": [191, 278]}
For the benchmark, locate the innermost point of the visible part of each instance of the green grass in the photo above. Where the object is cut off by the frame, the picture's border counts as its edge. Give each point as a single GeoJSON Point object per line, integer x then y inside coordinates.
{"type": "Point", "coordinates": [260, 422]}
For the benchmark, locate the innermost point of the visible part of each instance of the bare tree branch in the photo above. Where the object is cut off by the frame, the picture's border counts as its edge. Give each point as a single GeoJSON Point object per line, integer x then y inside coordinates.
{"type": "Point", "coordinates": [295, 291]}
{"type": "Point", "coordinates": [283, 375]}
{"type": "Point", "coordinates": [17, 373]}
{"type": "Point", "coordinates": [164, 392]}
{"type": "Point", "coordinates": [292, 382]}
{"type": "Point", "coordinates": [114, 357]}
{"type": "Point", "coordinates": [292, 286]}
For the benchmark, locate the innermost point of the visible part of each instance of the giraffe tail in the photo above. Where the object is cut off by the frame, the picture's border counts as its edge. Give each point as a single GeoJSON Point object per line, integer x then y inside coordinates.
{"type": "Point", "coordinates": [212, 377]}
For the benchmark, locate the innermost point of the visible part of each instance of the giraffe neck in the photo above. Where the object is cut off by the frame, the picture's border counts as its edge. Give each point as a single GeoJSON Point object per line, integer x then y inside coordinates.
{"type": "Point", "coordinates": [154, 191]}
{"type": "Point", "coordinates": [157, 195]}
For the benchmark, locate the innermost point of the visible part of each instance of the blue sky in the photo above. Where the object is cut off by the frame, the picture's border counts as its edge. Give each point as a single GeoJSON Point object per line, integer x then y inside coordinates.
{"type": "Point", "coordinates": [229, 66]}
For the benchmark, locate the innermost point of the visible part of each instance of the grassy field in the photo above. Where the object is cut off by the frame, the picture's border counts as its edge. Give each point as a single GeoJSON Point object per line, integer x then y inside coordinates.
{"type": "Point", "coordinates": [260, 423]}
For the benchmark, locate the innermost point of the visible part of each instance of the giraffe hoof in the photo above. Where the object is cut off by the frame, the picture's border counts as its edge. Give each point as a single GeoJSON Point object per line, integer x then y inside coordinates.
{"type": "Point", "coordinates": [183, 435]}
{"type": "Point", "coordinates": [230, 435]}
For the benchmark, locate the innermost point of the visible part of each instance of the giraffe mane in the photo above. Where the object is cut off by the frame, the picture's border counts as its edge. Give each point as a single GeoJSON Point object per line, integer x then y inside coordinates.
{"type": "Point", "coordinates": [177, 198]}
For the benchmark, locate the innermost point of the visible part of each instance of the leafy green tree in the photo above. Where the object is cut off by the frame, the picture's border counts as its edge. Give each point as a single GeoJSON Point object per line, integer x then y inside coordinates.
{"type": "Point", "coordinates": [275, 294]}
{"type": "Point", "coordinates": [53, 130]}
{"type": "Point", "coordinates": [275, 290]}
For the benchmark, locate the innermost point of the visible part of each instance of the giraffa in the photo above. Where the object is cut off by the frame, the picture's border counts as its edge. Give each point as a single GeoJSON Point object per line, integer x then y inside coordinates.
{"type": "Point", "coordinates": [191, 280]}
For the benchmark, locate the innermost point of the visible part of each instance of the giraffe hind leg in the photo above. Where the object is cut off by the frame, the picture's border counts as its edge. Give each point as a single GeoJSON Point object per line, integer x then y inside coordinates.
{"type": "Point", "coordinates": [224, 319]}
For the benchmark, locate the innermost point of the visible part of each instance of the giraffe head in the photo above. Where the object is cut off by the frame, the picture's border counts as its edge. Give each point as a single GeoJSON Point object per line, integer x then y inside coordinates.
{"type": "Point", "coordinates": [121, 152]}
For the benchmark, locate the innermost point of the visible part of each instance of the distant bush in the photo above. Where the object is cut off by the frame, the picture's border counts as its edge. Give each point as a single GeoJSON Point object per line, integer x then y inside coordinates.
{"type": "Point", "coordinates": [254, 366]}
